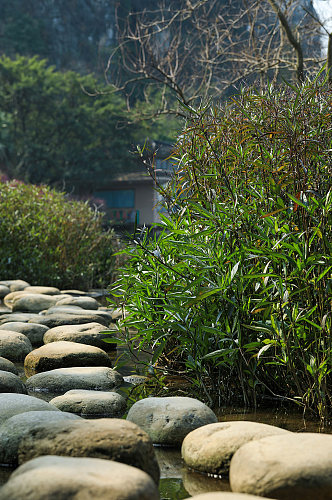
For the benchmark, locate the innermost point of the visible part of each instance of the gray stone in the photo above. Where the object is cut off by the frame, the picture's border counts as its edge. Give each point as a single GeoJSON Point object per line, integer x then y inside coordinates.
{"type": "Point", "coordinates": [210, 448]}
{"type": "Point", "coordinates": [107, 438]}
{"type": "Point", "coordinates": [74, 293]}
{"type": "Point", "coordinates": [8, 366]}
{"type": "Point", "coordinates": [15, 285]}
{"type": "Point", "coordinates": [91, 404]}
{"type": "Point", "coordinates": [13, 404]}
{"type": "Point", "coordinates": [9, 299]}
{"type": "Point", "coordinates": [225, 495]}
{"type": "Point", "coordinates": [15, 428]}
{"type": "Point", "coordinates": [296, 466]}
{"type": "Point", "coordinates": [33, 331]}
{"type": "Point", "coordinates": [83, 302]}
{"type": "Point", "coordinates": [33, 302]}
{"type": "Point", "coordinates": [59, 319]}
{"type": "Point", "coordinates": [72, 478]}
{"type": "Point", "coordinates": [4, 310]}
{"type": "Point", "coordinates": [18, 317]}
{"type": "Point", "coordinates": [96, 378]}
{"type": "Point", "coordinates": [64, 354]}
{"type": "Point", "coordinates": [76, 310]}
{"type": "Point", "coordinates": [13, 345]}
{"type": "Point", "coordinates": [45, 290]}
{"type": "Point", "coordinates": [88, 333]}
{"type": "Point", "coordinates": [169, 420]}
{"type": "Point", "coordinates": [11, 383]}
{"type": "Point", "coordinates": [4, 290]}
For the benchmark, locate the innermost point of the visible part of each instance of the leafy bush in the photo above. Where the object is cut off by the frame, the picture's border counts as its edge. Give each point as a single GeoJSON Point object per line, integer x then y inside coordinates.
{"type": "Point", "coordinates": [235, 293]}
{"type": "Point", "coordinates": [49, 240]}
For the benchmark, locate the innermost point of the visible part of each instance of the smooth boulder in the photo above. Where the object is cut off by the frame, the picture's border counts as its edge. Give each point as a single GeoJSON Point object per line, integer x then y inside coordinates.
{"type": "Point", "coordinates": [8, 366]}
{"type": "Point", "coordinates": [11, 383]}
{"type": "Point", "coordinates": [15, 285]}
{"type": "Point", "coordinates": [88, 333]}
{"type": "Point", "coordinates": [107, 438]}
{"type": "Point", "coordinates": [296, 466]}
{"type": "Point", "coordinates": [225, 495]}
{"type": "Point", "coordinates": [64, 354]}
{"type": "Point", "coordinates": [15, 428]}
{"type": "Point", "coordinates": [59, 319]}
{"type": "Point", "coordinates": [96, 378]}
{"type": "Point", "coordinates": [33, 331]}
{"type": "Point", "coordinates": [168, 420]}
{"type": "Point", "coordinates": [72, 478]}
{"type": "Point", "coordinates": [13, 404]}
{"type": "Point", "coordinates": [83, 302]}
{"type": "Point", "coordinates": [13, 345]}
{"type": "Point", "coordinates": [210, 448]}
{"type": "Point", "coordinates": [33, 302]}
{"type": "Point", "coordinates": [91, 404]}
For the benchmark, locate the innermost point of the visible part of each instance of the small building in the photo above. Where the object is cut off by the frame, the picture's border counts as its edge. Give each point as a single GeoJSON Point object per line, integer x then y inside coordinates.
{"type": "Point", "coordinates": [133, 195]}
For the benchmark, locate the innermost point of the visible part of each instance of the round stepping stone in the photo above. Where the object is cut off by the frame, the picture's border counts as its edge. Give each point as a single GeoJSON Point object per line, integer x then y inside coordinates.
{"type": "Point", "coordinates": [74, 293]}
{"type": "Point", "coordinates": [13, 404]}
{"type": "Point", "coordinates": [46, 290]}
{"type": "Point", "coordinates": [4, 290]}
{"type": "Point", "coordinates": [15, 428]}
{"type": "Point", "coordinates": [91, 404]}
{"type": "Point", "coordinates": [11, 383]}
{"type": "Point", "coordinates": [76, 310]}
{"type": "Point", "coordinates": [33, 331]}
{"type": "Point", "coordinates": [59, 319]}
{"type": "Point", "coordinates": [73, 478]}
{"type": "Point", "coordinates": [8, 366]}
{"type": "Point", "coordinates": [107, 438]}
{"type": "Point", "coordinates": [210, 448]}
{"type": "Point", "coordinates": [64, 355]}
{"type": "Point", "coordinates": [13, 345]}
{"type": "Point", "coordinates": [21, 317]}
{"type": "Point", "coordinates": [168, 420]}
{"type": "Point", "coordinates": [225, 495]}
{"type": "Point", "coordinates": [83, 302]}
{"type": "Point", "coordinates": [33, 302]}
{"type": "Point", "coordinates": [15, 285]}
{"type": "Point", "coordinates": [88, 333]}
{"type": "Point", "coordinates": [96, 378]}
{"type": "Point", "coordinates": [296, 466]}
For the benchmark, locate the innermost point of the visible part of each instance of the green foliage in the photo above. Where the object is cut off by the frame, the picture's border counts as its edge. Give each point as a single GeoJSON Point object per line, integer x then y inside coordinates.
{"type": "Point", "coordinates": [47, 239]}
{"type": "Point", "coordinates": [235, 293]}
{"type": "Point", "coordinates": [56, 132]}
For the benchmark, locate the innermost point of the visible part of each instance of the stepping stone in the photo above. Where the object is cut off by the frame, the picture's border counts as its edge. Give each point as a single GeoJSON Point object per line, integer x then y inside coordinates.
{"type": "Point", "coordinates": [13, 345]}
{"type": "Point", "coordinates": [8, 366]}
{"type": "Point", "coordinates": [33, 302]}
{"type": "Point", "coordinates": [33, 331]}
{"type": "Point", "coordinates": [4, 310]}
{"type": "Point", "coordinates": [88, 333]}
{"type": "Point", "coordinates": [47, 290]}
{"type": "Point", "coordinates": [225, 495]}
{"type": "Point", "coordinates": [168, 420]}
{"type": "Point", "coordinates": [83, 302]}
{"type": "Point", "coordinates": [91, 404]}
{"type": "Point", "coordinates": [11, 383]}
{"type": "Point", "coordinates": [4, 290]}
{"type": "Point", "coordinates": [210, 448]}
{"type": "Point", "coordinates": [21, 317]}
{"type": "Point", "coordinates": [296, 466]}
{"type": "Point", "coordinates": [64, 354]}
{"type": "Point", "coordinates": [73, 478]}
{"type": "Point", "coordinates": [13, 404]}
{"type": "Point", "coordinates": [74, 293]}
{"type": "Point", "coordinates": [59, 319]}
{"type": "Point", "coordinates": [15, 428]}
{"type": "Point", "coordinates": [15, 285]}
{"type": "Point", "coordinates": [96, 378]}
{"type": "Point", "coordinates": [78, 310]}
{"type": "Point", "coordinates": [106, 438]}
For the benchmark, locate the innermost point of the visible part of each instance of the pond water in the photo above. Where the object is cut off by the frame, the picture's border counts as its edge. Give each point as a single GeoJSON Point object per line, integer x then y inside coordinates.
{"type": "Point", "coordinates": [177, 481]}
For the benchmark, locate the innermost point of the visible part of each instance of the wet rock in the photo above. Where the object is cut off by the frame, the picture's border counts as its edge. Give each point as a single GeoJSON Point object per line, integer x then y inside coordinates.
{"type": "Point", "coordinates": [67, 478]}
{"type": "Point", "coordinates": [64, 354]}
{"type": "Point", "coordinates": [33, 302]}
{"type": "Point", "coordinates": [45, 290]}
{"type": "Point", "coordinates": [4, 290]}
{"type": "Point", "coordinates": [210, 448]}
{"type": "Point", "coordinates": [33, 331]}
{"type": "Point", "coordinates": [91, 404]}
{"type": "Point", "coordinates": [8, 366]}
{"type": "Point", "coordinates": [15, 285]}
{"type": "Point", "coordinates": [88, 333]}
{"type": "Point", "coordinates": [15, 428]}
{"type": "Point", "coordinates": [59, 319]}
{"type": "Point", "coordinates": [290, 467]}
{"type": "Point", "coordinates": [11, 383]}
{"type": "Point", "coordinates": [13, 345]}
{"type": "Point", "coordinates": [83, 302]}
{"type": "Point", "coordinates": [13, 404]}
{"type": "Point", "coordinates": [59, 381]}
{"type": "Point", "coordinates": [107, 438]}
{"type": "Point", "coordinates": [169, 420]}
{"type": "Point", "coordinates": [225, 496]}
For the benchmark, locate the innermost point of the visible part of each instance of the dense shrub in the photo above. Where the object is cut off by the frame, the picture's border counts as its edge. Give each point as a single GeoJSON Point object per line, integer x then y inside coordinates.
{"type": "Point", "coordinates": [47, 239]}
{"type": "Point", "coordinates": [235, 294]}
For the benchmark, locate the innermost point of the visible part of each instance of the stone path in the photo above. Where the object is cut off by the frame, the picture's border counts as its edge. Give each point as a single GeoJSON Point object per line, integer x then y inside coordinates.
{"type": "Point", "coordinates": [79, 445]}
